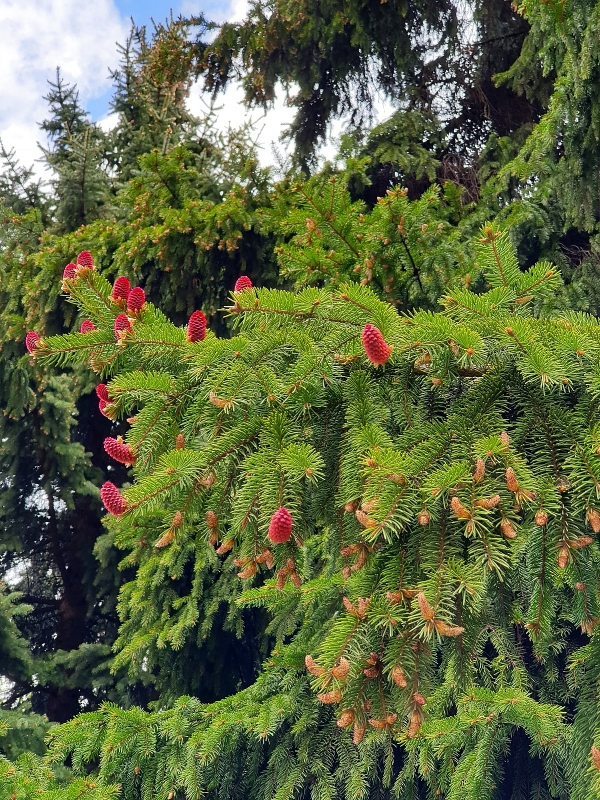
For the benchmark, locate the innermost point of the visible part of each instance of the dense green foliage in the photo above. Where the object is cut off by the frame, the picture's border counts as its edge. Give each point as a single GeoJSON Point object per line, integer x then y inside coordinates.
{"type": "Point", "coordinates": [442, 574]}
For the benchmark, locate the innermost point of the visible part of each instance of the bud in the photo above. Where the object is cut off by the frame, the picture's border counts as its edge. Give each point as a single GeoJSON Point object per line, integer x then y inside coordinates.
{"type": "Point", "coordinates": [165, 539]}
{"type": "Point", "coordinates": [594, 519]}
{"type": "Point", "coordinates": [459, 510]}
{"type": "Point", "coordinates": [507, 528]}
{"type": "Point", "coordinates": [177, 520]}
{"type": "Point", "coordinates": [479, 473]}
{"type": "Point", "coordinates": [365, 520]}
{"type": "Point", "coordinates": [340, 672]}
{"type": "Point", "coordinates": [350, 507]}
{"type": "Point", "coordinates": [225, 547]}
{"type": "Point", "coordinates": [328, 698]}
{"type": "Point", "coordinates": [378, 724]}
{"type": "Point", "coordinates": [512, 483]}
{"type": "Point", "coordinates": [541, 518]}
{"type": "Point", "coordinates": [488, 502]}
{"type": "Point", "coordinates": [211, 519]}
{"type": "Point", "coordinates": [423, 517]}
{"type": "Point", "coordinates": [179, 442]}
{"type": "Point", "coordinates": [419, 699]}
{"type": "Point", "coordinates": [359, 732]}
{"type": "Point", "coordinates": [563, 557]}
{"type": "Point", "coordinates": [426, 610]}
{"type": "Point", "coordinates": [399, 677]}
{"type": "Point", "coordinates": [447, 630]}
{"type": "Point", "coordinates": [346, 719]}
{"type": "Point", "coordinates": [87, 326]}
{"type": "Point", "coordinates": [595, 754]}
{"type": "Point", "coordinates": [505, 439]}
{"type": "Point", "coordinates": [416, 720]}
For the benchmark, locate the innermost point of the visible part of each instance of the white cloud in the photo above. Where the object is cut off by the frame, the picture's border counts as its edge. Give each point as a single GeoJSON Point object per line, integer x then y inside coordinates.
{"type": "Point", "coordinates": [36, 36]}
{"type": "Point", "coordinates": [234, 11]}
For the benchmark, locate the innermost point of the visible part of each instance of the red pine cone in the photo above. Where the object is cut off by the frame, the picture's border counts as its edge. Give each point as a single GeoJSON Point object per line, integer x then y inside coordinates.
{"type": "Point", "coordinates": [32, 341]}
{"type": "Point", "coordinates": [242, 283]}
{"type": "Point", "coordinates": [84, 259]}
{"type": "Point", "coordinates": [87, 326]}
{"type": "Point", "coordinates": [196, 331]}
{"type": "Point", "coordinates": [376, 348]}
{"type": "Point", "coordinates": [122, 323]}
{"type": "Point", "coordinates": [102, 405]}
{"type": "Point", "coordinates": [118, 450]}
{"type": "Point", "coordinates": [136, 299]}
{"type": "Point", "coordinates": [280, 528]}
{"type": "Point", "coordinates": [69, 271]}
{"type": "Point", "coordinates": [121, 289]}
{"type": "Point", "coordinates": [113, 501]}
{"type": "Point", "coordinates": [102, 392]}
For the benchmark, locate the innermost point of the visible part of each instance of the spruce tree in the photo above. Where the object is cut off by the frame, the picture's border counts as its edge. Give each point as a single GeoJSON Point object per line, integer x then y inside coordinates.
{"type": "Point", "coordinates": [185, 224]}
{"type": "Point", "coordinates": [412, 497]}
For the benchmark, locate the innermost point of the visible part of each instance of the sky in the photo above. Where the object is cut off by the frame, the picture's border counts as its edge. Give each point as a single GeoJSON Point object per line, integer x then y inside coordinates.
{"type": "Point", "coordinates": [36, 36]}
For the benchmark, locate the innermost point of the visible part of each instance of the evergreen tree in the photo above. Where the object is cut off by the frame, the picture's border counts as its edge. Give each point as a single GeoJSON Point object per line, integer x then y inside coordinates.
{"type": "Point", "coordinates": [76, 155]}
{"type": "Point", "coordinates": [413, 498]}
{"type": "Point", "coordinates": [185, 224]}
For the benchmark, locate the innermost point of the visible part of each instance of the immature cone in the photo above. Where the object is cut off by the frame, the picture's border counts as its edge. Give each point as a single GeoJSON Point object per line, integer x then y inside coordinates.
{"type": "Point", "coordinates": [359, 733]}
{"type": "Point", "coordinates": [211, 519]}
{"type": "Point", "coordinates": [399, 677]}
{"type": "Point", "coordinates": [69, 272]}
{"type": "Point", "coordinates": [563, 557]}
{"type": "Point", "coordinates": [196, 330]}
{"type": "Point", "coordinates": [346, 719]}
{"type": "Point", "coordinates": [280, 527]}
{"type": "Point", "coordinates": [595, 754]}
{"type": "Point", "coordinates": [121, 289]}
{"type": "Point", "coordinates": [84, 259]}
{"type": "Point", "coordinates": [424, 607]}
{"type": "Point", "coordinates": [512, 483]}
{"type": "Point", "coordinates": [313, 667]}
{"type": "Point", "coordinates": [447, 630]}
{"type": "Point", "coordinates": [341, 670]}
{"type": "Point", "coordinates": [102, 407]}
{"type": "Point", "coordinates": [32, 341]}
{"type": "Point", "coordinates": [541, 518]}
{"type": "Point", "coordinates": [120, 451]}
{"type": "Point", "coordinates": [122, 323]}
{"type": "Point", "coordinates": [423, 517]}
{"type": "Point", "coordinates": [242, 283]}
{"type": "Point", "coordinates": [376, 348]}
{"type": "Point", "coordinates": [594, 519]}
{"type": "Point", "coordinates": [113, 501]}
{"type": "Point", "coordinates": [488, 502]}
{"type": "Point", "coordinates": [87, 326]}
{"type": "Point", "coordinates": [508, 529]}
{"type": "Point", "coordinates": [460, 511]}
{"type": "Point", "coordinates": [102, 392]}
{"type": "Point", "coordinates": [479, 473]}
{"type": "Point", "coordinates": [180, 441]}
{"type": "Point", "coordinates": [136, 299]}
{"type": "Point", "coordinates": [328, 698]}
